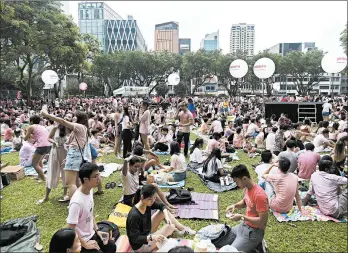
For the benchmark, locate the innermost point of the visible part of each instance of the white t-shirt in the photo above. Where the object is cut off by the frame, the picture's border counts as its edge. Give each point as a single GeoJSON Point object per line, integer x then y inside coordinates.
{"type": "Point", "coordinates": [125, 122]}
{"type": "Point", "coordinates": [26, 154]}
{"type": "Point", "coordinates": [196, 156]}
{"type": "Point", "coordinates": [216, 126]}
{"type": "Point", "coordinates": [342, 125]}
{"type": "Point", "coordinates": [211, 169]}
{"type": "Point", "coordinates": [260, 169]}
{"type": "Point", "coordinates": [327, 107]}
{"type": "Point", "coordinates": [270, 141]}
{"type": "Point", "coordinates": [130, 183]}
{"type": "Point", "coordinates": [319, 140]}
{"type": "Point", "coordinates": [81, 214]}
{"type": "Point", "coordinates": [178, 162]}
{"type": "Point", "coordinates": [252, 128]}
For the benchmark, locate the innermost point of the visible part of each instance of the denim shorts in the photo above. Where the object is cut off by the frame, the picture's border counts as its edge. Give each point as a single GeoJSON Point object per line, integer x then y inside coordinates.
{"type": "Point", "coordinates": [42, 150]}
{"type": "Point", "coordinates": [73, 159]}
{"type": "Point", "coordinates": [179, 176]}
{"type": "Point", "coordinates": [326, 114]}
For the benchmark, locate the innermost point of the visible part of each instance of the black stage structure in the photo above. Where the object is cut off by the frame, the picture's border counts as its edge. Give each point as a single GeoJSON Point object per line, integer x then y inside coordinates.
{"type": "Point", "coordinates": [296, 111]}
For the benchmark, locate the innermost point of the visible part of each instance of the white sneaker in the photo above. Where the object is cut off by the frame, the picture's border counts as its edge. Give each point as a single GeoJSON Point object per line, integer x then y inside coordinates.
{"type": "Point", "coordinates": [186, 231]}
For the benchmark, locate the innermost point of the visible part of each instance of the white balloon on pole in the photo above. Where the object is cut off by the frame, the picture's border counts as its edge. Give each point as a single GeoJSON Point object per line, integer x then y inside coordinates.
{"type": "Point", "coordinates": [49, 77]}
{"type": "Point", "coordinates": [264, 68]}
{"type": "Point", "coordinates": [174, 79]}
{"type": "Point", "coordinates": [238, 68]}
{"type": "Point", "coordinates": [83, 86]}
{"type": "Point", "coordinates": [334, 63]}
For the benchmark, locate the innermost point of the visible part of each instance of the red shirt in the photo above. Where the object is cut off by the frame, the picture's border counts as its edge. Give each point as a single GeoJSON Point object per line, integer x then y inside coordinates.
{"type": "Point", "coordinates": [256, 202]}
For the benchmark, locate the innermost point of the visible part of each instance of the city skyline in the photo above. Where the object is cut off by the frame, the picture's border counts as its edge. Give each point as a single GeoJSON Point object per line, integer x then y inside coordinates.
{"type": "Point", "coordinates": [276, 22]}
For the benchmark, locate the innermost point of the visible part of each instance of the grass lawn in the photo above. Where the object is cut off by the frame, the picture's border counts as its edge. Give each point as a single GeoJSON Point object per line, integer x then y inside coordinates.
{"type": "Point", "coordinates": [20, 197]}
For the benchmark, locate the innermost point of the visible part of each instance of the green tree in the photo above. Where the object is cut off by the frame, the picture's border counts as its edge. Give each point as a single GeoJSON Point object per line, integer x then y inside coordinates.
{"type": "Point", "coordinates": [162, 89]}
{"type": "Point", "coordinates": [198, 67]}
{"type": "Point", "coordinates": [181, 90]}
{"type": "Point", "coordinates": [304, 68]}
{"type": "Point", "coordinates": [343, 40]}
{"type": "Point", "coordinates": [26, 37]}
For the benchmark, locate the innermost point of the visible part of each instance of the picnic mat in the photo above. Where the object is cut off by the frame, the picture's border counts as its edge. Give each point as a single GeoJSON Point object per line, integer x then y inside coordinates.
{"type": "Point", "coordinates": [162, 152]}
{"type": "Point", "coordinates": [124, 246]}
{"type": "Point", "coordinates": [205, 138]}
{"type": "Point", "coordinates": [312, 214]}
{"type": "Point", "coordinates": [205, 207]}
{"type": "Point", "coordinates": [171, 186]}
{"type": "Point", "coordinates": [216, 187]}
{"type": "Point", "coordinates": [30, 171]}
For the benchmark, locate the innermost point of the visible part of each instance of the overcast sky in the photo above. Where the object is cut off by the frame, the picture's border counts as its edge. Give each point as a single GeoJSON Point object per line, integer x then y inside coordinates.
{"type": "Point", "coordinates": [275, 22]}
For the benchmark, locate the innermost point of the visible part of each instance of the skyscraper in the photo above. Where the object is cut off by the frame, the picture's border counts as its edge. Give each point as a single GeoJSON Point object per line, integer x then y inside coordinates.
{"type": "Point", "coordinates": [184, 46]}
{"type": "Point", "coordinates": [242, 38]}
{"type": "Point", "coordinates": [113, 32]}
{"type": "Point", "coordinates": [210, 41]}
{"type": "Point", "coordinates": [167, 37]}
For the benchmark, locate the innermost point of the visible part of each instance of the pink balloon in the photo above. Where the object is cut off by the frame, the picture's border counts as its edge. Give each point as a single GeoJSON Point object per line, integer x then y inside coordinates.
{"type": "Point", "coordinates": [83, 86]}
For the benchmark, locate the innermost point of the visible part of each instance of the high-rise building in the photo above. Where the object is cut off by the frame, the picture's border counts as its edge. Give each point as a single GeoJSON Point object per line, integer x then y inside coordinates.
{"type": "Point", "coordinates": [211, 41]}
{"type": "Point", "coordinates": [167, 37]}
{"type": "Point", "coordinates": [284, 48]}
{"type": "Point", "coordinates": [242, 38]}
{"type": "Point", "coordinates": [184, 46]}
{"type": "Point", "coordinates": [113, 32]}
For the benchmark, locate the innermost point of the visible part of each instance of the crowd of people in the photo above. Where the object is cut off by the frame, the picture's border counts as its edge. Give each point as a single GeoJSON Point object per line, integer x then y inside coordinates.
{"type": "Point", "coordinates": [70, 134]}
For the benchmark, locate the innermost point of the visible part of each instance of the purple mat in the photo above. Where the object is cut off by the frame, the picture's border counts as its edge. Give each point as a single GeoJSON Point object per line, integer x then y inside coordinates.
{"type": "Point", "coordinates": [205, 207]}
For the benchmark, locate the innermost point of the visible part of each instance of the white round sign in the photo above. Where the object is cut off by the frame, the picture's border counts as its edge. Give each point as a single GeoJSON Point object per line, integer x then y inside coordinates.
{"type": "Point", "coordinates": [49, 77]}
{"type": "Point", "coordinates": [334, 63]}
{"type": "Point", "coordinates": [174, 79]}
{"type": "Point", "coordinates": [83, 86]}
{"type": "Point", "coordinates": [276, 86]}
{"type": "Point", "coordinates": [264, 68]}
{"type": "Point", "coordinates": [238, 68]}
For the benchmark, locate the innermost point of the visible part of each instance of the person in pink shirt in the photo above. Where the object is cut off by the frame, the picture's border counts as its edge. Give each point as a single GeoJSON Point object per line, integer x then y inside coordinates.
{"type": "Point", "coordinates": [213, 143]}
{"type": "Point", "coordinates": [307, 162]}
{"type": "Point", "coordinates": [285, 188]}
{"type": "Point", "coordinates": [40, 136]}
{"type": "Point", "coordinates": [144, 124]}
{"type": "Point", "coordinates": [332, 200]}
{"type": "Point", "coordinates": [185, 121]}
{"type": "Point", "coordinates": [341, 135]}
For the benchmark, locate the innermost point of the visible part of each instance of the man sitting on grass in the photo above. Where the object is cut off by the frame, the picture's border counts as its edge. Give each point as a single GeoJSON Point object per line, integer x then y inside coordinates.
{"type": "Point", "coordinates": [249, 234]}
{"type": "Point", "coordinates": [81, 213]}
{"type": "Point", "coordinates": [285, 185]}
{"type": "Point", "coordinates": [331, 198]}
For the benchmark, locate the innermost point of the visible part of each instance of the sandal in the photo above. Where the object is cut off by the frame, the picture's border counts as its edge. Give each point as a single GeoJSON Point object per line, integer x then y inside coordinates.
{"type": "Point", "coordinates": [107, 186]}
{"type": "Point", "coordinates": [112, 185]}
{"type": "Point", "coordinates": [64, 199]}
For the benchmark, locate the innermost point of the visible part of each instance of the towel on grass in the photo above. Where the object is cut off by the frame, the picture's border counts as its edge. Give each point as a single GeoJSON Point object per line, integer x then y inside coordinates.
{"type": "Point", "coordinates": [170, 186]}
{"type": "Point", "coordinates": [311, 213]}
{"type": "Point", "coordinates": [30, 171]}
{"type": "Point", "coordinates": [110, 168]}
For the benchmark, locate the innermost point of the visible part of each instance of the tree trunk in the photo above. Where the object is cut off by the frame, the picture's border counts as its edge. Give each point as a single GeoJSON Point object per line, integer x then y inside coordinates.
{"type": "Point", "coordinates": [30, 73]}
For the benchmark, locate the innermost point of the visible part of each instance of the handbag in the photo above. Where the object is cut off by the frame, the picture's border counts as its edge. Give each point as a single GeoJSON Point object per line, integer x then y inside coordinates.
{"type": "Point", "coordinates": [5, 179]}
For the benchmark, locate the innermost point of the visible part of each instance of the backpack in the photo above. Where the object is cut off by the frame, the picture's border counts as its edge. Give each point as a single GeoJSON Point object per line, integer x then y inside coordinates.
{"type": "Point", "coordinates": [225, 238]}
{"type": "Point", "coordinates": [108, 226]}
{"type": "Point", "coordinates": [11, 233]}
{"type": "Point", "coordinates": [179, 196]}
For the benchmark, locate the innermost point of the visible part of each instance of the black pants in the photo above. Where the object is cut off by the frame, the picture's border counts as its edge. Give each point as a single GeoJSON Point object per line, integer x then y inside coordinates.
{"type": "Point", "coordinates": [186, 137]}
{"type": "Point", "coordinates": [161, 146]}
{"type": "Point", "coordinates": [108, 248]}
{"type": "Point", "coordinates": [127, 141]}
{"type": "Point", "coordinates": [136, 131]}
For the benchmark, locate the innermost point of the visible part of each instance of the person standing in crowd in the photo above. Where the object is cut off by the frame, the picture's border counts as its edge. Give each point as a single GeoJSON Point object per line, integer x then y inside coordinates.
{"type": "Point", "coordinates": [144, 125]}
{"type": "Point", "coordinates": [327, 109]}
{"type": "Point", "coordinates": [185, 121]}
{"type": "Point", "coordinates": [40, 139]}
{"type": "Point", "coordinates": [126, 132]}
{"type": "Point", "coordinates": [77, 142]}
